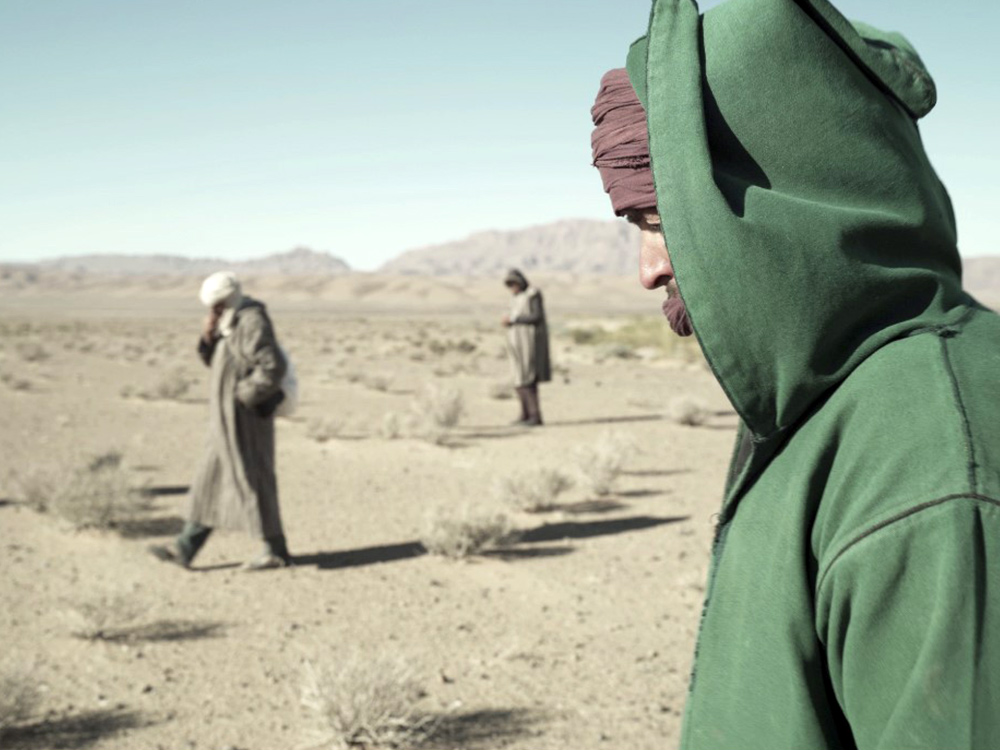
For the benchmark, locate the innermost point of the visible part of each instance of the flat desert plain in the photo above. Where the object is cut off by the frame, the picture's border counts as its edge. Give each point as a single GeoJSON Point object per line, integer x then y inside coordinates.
{"type": "Point", "coordinates": [576, 631]}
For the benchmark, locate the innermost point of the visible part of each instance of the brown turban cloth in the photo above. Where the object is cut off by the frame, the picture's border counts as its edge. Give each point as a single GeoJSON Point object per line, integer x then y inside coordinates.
{"type": "Point", "coordinates": [621, 144]}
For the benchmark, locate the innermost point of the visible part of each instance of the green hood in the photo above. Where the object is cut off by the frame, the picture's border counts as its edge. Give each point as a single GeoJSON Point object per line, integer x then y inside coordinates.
{"type": "Point", "coordinates": [805, 224]}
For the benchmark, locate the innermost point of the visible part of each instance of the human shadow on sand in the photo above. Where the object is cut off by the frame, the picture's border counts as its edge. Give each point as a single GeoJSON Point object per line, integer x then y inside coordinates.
{"type": "Point", "coordinates": [71, 732]}
{"type": "Point", "coordinates": [479, 730]}
{"type": "Point", "coordinates": [550, 532]}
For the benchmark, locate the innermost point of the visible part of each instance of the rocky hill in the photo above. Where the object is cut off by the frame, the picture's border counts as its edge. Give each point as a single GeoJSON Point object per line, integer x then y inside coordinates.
{"type": "Point", "coordinates": [575, 246]}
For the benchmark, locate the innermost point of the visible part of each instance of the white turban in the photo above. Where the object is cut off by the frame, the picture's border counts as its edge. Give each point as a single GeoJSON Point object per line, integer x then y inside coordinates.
{"type": "Point", "coordinates": [221, 287]}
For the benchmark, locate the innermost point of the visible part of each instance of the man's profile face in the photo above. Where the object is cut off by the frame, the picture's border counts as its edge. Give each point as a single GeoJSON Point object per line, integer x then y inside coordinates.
{"type": "Point", "coordinates": [655, 270]}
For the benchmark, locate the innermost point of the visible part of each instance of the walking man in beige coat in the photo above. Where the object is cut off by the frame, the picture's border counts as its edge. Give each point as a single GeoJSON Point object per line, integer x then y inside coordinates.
{"type": "Point", "coordinates": [235, 486]}
{"type": "Point", "coordinates": [527, 345]}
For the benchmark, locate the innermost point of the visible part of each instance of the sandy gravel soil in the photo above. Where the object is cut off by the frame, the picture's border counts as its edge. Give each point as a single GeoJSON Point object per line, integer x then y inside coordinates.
{"type": "Point", "coordinates": [579, 635]}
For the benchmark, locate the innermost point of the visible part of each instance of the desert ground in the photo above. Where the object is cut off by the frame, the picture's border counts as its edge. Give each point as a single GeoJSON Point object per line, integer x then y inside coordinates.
{"type": "Point", "coordinates": [575, 631]}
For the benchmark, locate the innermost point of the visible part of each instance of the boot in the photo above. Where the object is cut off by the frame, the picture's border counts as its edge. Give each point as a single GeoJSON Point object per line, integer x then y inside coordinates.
{"type": "Point", "coordinates": [274, 555]}
{"type": "Point", "coordinates": [185, 546]}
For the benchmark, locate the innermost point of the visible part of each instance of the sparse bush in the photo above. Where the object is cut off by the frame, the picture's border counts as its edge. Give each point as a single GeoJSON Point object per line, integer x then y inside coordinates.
{"type": "Point", "coordinates": [533, 491]}
{"type": "Point", "coordinates": [688, 411]}
{"type": "Point", "coordinates": [601, 463]}
{"type": "Point", "coordinates": [354, 377]}
{"type": "Point", "coordinates": [646, 332]}
{"type": "Point", "coordinates": [379, 383]}
{"type": "Point", "coordinates": [500, 390]}
{"type": "Point", "coordinates": [95, 496]}
{"type": "Point", "coordinates": [615, 350]}
{"type": "Point", "coordinates": [434, 413]}
{"type": "Point", "coordinates": [31, 351]}
{"type": "Point", "coordinates": [365, 703]}
{"type": "Point", "coordinates": [322, 430]}
{"type": "Point", "coordinates": [467, 532]}
{"type": "Point", "coordinates": [171, 387]}
{"type": "Point", "coordinates": [102, 617]}
{"type": "Point", "coordinates": [14, 382]}
{"type": "Point", "coordinates": [392, 426]}
{"type": "Point", "coordinates": [19, 698]}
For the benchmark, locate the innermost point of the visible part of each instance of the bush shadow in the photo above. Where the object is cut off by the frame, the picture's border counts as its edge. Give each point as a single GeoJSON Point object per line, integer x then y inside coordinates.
{"type": "Point", "coordinates": [554, 532]}
{"type": "Point", "coordinates": [165, 490]}
{"type": "Point", "coordinates": [137, 528]}
{"type": "Point", "coordinates": [71, 732]}
{"type": "Point", "coordinates": [608, 420]}
{"type": "Point", "coordinates": [166, 631]}
{"type": "Point", "coordinates": [479, 730]}
{"type": "Point", "coordinates": [590, 506]}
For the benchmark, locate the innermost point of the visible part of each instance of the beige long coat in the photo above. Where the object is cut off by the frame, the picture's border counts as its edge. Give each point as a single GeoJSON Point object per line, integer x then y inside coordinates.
{"type": "Point", "coordinates": [528, 339]}
{"type": "Point", "coordinates": [235, 486]}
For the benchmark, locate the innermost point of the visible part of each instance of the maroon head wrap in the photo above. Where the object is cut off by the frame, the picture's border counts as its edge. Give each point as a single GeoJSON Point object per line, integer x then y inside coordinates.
{"type": "Point", "coordinates": [621, 144]}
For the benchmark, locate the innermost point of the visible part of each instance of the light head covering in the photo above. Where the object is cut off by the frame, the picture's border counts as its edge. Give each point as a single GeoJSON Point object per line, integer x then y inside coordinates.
{"type": "Point", "coordinates": [620, 143]}
{"type": "Point", "coordinates": [221, 287]}
{"type": "Point", "coordinates": [515, 277]}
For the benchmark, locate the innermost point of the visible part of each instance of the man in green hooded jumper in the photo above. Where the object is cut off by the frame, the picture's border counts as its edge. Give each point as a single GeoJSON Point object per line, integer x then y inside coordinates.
{"type": "Point", "coordinates": [802, 235]}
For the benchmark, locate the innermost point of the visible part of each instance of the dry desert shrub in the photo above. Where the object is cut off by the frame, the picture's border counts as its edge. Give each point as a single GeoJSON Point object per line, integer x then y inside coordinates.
{"type": "Point", "coordinates": [392, 426]}
{"type": "Point", "coordinates": [101, 617]}
{"type": "Point", "coordinates": [322, 430]}
{"type": "Point", "coordinates": [602, 463]}
{"type": "Point", "coordinates": [533, 491]}
{"type": "Point", "coordinates": [19, 698]}
{"type": "Point", "coordinates": [466, 532]}
{"type": "Point", "coordinates": [365, 702]}
{"type": "Point", "coordinates": [172, 386]}
{"type": "Point", "coordinates": [14, 382]}
{"type": "Point", "coordinates": [646, 332]}
{"type": "Point", "coordinates": [688, 411]}
{"type": "Point", "coordinates": [434, 413]}
{"type": "Point", "coordinates": [500, 390]}
{"type": "Point", "coordinates": [380, 383]}
{"type": "Point", "coordinates": [31, 351]}
{"type": "Point", "coordinates": [97, 495]}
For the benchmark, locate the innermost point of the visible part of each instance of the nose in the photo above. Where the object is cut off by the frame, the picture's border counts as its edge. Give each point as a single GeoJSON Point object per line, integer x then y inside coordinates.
{"type": "Point", "coordinates": [654, 262]}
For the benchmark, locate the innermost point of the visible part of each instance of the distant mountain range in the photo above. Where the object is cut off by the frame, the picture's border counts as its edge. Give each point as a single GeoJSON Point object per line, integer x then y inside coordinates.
{"type": "Point", "coordinates": [300, 261]}
{"type": "Point", "coordinates": [571, 246]}
{"type": "Point", "coordinates": [576, 246]}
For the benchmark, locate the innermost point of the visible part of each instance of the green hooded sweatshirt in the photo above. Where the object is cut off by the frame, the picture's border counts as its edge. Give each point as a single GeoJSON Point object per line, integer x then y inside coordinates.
{"type": "Point", "coordinates": [854, 596]}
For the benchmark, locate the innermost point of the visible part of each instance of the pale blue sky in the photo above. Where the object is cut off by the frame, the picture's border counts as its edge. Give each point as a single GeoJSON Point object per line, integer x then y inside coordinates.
{"type": "Point", "coordinates": [237, 128]}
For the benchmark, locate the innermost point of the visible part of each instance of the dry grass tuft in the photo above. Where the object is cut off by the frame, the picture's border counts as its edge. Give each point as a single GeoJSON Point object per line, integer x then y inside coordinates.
{"type": "Point", "coordinates": [380, 383]}
{"type": "Point", "coordinates": [434, 413]}
{"type": "Point", "coordinates": [392, 426]}
{"type": "Point", "coordinates": [31, 351]}
{"type": "Point", "coordinates": [602, 463]}
{"type": "Point", "coordinates": [500, 390]}
{"type": "Point", "coordinates": [14, 382]}
{"type": "Point", "coordinates": [470, 531]}
{"type": "Point", "coordinates": [365, 703]}
{"type": "Point", "coordinates": [688, 411]}
{"type": "Point", "coordinates": [172, 386]}
{"type": "Point", "coordinates": [533, 491]}
{"type": "Point", "coordinates": [322, 430]}
{"type": "Point", "coordinates": [97, 496]}
{"type": "Point", "coordinates": [101, 617]}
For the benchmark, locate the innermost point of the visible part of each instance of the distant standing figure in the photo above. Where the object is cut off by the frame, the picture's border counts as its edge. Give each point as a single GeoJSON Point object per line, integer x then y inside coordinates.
{"type": "Point", "coordinates": [235, 486]}
{"type": "Point", "coordinates": [527, 345]}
